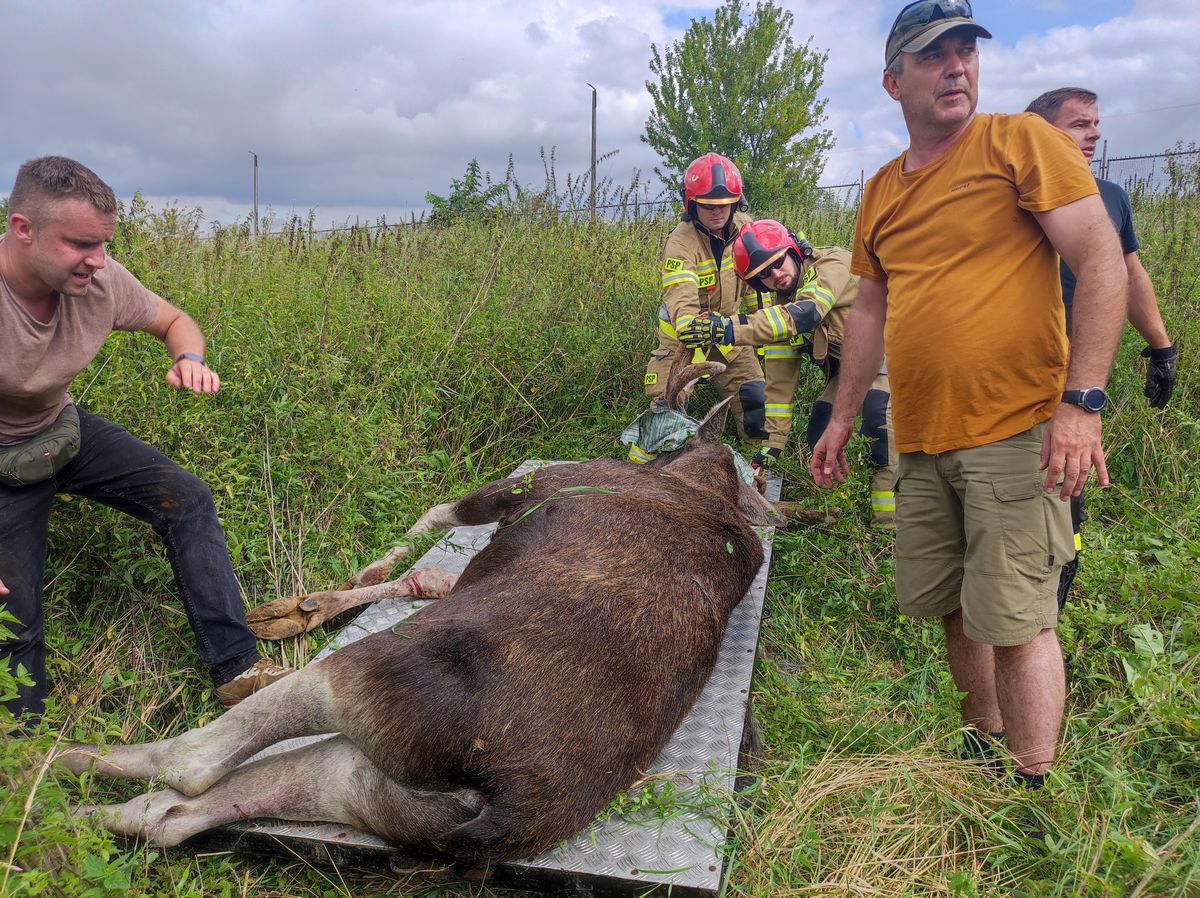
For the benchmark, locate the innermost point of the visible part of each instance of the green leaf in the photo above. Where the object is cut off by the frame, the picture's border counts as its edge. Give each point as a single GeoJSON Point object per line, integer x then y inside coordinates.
{"type": "Point", "coordinates": [1146, 640]}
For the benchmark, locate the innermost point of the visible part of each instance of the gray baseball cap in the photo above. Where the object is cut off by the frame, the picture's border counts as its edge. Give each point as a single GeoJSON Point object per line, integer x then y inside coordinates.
{"type": "Point", "coordinates": [920, 24]}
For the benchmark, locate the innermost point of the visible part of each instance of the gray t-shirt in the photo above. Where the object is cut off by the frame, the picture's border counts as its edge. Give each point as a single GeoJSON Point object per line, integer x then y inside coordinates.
{"type": "Point", "coordinates": [38, 361]}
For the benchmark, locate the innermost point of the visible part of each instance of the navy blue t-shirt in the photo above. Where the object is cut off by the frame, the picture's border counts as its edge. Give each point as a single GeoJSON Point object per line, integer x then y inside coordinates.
{"type": "Point", "coordinates": [1116, 201]}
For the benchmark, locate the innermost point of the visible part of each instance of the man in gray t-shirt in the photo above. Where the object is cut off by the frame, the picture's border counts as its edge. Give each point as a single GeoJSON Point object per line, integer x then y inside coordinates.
{"type": "Point", "coordinates": [60, 298]}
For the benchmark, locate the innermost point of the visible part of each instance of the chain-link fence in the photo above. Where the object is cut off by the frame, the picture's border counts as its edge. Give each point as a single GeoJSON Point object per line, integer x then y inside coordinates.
{"type": "Point", "coordinates": [1153, 173]}
{"type": "Point", "coordinates": [1150, 173]}
{"type": "Point", "coordinates": [847, 194]}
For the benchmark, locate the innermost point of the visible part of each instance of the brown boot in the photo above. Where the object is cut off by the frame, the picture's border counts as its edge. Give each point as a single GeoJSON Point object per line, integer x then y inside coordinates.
{"type": "Point", "coordinates": [262, 674]}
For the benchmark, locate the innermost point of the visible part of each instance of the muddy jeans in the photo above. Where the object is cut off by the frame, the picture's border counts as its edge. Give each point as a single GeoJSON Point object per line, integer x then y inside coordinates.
{"type": "Point", "coordinates": [121, 471]}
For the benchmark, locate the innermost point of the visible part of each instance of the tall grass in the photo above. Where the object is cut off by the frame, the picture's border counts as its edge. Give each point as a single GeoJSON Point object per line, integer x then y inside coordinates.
{"type": "Point", "coordinates": [374, 372]}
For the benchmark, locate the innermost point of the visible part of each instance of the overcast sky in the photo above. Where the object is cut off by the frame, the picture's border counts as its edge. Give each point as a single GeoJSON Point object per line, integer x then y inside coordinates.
{"type": "Point", "coordinates": [358, 108]}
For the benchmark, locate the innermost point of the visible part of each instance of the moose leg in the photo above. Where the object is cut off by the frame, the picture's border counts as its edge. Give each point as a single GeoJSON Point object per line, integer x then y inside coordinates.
{"type": "Point", "coordinates": [807, 517]}
{"type": "Point", "coordinates": [298, 705]}
{"type": "Point", "coordinates": [329, 781]}
{"type": "Point", "coordinates": [483, 506]}
{"type": "Point", "coordinates": [281, 618]}
{"type": "Point", "coordinates": [440, 517]}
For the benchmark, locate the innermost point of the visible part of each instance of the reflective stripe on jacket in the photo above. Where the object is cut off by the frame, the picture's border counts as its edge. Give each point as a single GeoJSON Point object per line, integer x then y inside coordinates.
{"type": "Point", "coordinates": [692, 281]}
{"type": "Point", "coordinates": [830, 287]}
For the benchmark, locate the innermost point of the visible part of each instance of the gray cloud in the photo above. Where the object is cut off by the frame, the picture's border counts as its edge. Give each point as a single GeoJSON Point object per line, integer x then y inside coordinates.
{"type": "Point", "coordinates": [363, 107]}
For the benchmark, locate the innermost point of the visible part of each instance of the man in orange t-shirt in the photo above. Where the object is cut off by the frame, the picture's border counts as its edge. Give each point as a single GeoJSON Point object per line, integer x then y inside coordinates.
{"type": "Point", "coordinates": [956, 248]}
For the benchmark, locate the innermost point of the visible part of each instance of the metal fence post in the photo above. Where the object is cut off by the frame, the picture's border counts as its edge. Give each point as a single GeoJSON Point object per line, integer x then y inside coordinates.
{"type": "Point", "coordinates": [255, 155]}
{"type": "Point", "coordinates": [592, 203]}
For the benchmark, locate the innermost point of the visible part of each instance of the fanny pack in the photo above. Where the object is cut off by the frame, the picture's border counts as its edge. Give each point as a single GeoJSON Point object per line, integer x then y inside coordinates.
{"type": "Point", "coordinates": [42, 456]}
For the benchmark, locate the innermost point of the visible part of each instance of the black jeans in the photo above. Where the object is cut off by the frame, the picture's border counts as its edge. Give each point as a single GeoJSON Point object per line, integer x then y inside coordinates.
{"type": "Point", "coordinates": [121, 471]}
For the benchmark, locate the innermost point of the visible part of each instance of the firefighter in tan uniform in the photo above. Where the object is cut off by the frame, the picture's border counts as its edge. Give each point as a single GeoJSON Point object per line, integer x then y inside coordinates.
{"type": "Point", "coordinates": [698, 277]}
{"type": "Point", "coordinates": [804, 296]}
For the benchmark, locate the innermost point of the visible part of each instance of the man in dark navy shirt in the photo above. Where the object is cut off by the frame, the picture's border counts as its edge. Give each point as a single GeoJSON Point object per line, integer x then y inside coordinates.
{"type": "Point", "coordinates": [1077, 112]}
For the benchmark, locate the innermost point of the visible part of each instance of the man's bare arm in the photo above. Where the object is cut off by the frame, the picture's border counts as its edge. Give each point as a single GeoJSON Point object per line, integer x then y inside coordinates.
{"type": "Point", "coordinates": [1143, 305]}
{"type": "Point", "coordinates": [1083, 235]}
{"type": "Point", "coordinates": [182, 335]}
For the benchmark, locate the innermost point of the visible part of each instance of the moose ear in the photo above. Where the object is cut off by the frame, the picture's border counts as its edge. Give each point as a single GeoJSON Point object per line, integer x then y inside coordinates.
{"type": "Point", "coordinates": [713, 425]}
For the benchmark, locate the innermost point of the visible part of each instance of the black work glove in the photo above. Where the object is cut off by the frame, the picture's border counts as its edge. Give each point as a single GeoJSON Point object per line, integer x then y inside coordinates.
{"type": "Point", "coordinates": [710, 329]}
{"type": "Point", "coordinates": [1160, 375]}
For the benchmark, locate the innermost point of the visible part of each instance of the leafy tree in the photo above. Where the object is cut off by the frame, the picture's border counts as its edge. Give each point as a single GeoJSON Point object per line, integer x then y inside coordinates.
{"type": "Point", "coordinates": [475, 196]}
{"type": "Point", "coordinates": [741, 86]}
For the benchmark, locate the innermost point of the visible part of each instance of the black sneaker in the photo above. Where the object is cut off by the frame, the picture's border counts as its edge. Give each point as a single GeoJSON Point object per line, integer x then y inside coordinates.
{"type": "Point", "coordinates": [979, 748]}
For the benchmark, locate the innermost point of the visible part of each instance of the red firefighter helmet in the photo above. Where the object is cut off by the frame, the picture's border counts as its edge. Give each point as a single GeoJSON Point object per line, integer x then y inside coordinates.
{"type": "Point", "coordinates": [760, 244]}
{"type": "Point", "coordinates": [712, 179]}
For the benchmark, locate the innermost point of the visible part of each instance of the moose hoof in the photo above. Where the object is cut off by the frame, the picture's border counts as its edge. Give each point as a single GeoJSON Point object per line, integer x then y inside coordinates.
{"type": "Point", "coordinates": [281, 618]}
{"type": "Point", "coordinates": [807, 517]}
{"type": "Point", "coordinates": [76, 757]}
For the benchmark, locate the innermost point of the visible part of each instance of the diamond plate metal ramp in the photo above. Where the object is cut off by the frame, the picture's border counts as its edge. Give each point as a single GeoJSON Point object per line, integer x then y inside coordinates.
{"type": "Point", "coordinates": [681, 855]}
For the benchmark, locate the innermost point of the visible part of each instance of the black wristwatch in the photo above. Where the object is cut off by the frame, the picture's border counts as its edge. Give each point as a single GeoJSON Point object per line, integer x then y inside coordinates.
{"type": "Point", "coordinates": [1093, 399]}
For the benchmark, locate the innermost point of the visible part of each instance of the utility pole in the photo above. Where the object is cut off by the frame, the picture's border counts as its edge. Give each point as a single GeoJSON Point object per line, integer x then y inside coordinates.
{"type": "Point", "coordinates": [592, 203]}
{"type": "Point", "coordinates": [255, 155]}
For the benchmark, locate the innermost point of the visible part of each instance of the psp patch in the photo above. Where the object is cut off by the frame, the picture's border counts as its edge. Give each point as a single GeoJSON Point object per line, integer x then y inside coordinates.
{"type": "Point", "coordinates": [650, 379]}
{"type": "Point", "coordinates": [672, 264]}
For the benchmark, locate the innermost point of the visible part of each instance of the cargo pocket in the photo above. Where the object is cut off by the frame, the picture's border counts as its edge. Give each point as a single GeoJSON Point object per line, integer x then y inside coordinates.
{"type": "Point", "coordinates": [1024, 516]}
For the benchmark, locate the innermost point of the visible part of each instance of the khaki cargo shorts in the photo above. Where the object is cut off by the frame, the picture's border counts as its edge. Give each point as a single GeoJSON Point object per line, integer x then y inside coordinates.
{"type": "Point", "coordinates": [976, 530]}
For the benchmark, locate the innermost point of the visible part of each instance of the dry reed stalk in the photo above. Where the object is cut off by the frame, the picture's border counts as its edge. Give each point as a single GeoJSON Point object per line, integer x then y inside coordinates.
{"type": "Point", "coordinates": [885, 825]}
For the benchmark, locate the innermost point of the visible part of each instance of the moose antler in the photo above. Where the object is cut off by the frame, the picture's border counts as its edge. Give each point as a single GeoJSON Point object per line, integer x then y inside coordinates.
{"type": "Point", "coordinates": [684, 375]}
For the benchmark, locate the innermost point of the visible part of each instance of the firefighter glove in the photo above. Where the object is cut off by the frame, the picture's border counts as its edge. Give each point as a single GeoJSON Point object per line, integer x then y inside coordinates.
{"type": "Point", "coordinates": [762, 460]}
{"type": "Point", "coordinates": [1160, 375]}
{"type": "Point", "coordinates": [710, 329]}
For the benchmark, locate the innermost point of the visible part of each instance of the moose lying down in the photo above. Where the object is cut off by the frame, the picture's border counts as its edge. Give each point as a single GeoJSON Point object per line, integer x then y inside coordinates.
{"type": "Point", "coordinates": [499, 720]}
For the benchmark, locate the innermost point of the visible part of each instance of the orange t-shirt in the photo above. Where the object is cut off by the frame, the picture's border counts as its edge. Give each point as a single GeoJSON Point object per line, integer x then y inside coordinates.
{"type": "Point", "coordinates": [975, 336]}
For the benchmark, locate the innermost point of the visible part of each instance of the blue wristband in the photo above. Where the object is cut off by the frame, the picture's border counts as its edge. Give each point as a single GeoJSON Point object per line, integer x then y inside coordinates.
{"type": "Point", "coordinates": [190, 356]}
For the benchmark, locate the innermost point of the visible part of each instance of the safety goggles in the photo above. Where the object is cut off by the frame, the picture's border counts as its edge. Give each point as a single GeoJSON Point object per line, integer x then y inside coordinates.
{"type": "Point", "coordinates": [774, 268]}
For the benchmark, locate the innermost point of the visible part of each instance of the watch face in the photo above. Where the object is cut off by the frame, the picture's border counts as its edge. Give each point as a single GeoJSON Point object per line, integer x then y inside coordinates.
{"type": "Point", "coordinates": [1094, 399]}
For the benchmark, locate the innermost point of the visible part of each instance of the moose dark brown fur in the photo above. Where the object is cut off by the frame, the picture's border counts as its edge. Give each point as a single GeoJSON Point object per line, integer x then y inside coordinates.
{"type": "Point", "coordinates": [500, 719]}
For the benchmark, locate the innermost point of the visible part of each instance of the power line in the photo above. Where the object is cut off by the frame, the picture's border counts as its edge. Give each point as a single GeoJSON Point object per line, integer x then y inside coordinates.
{"type": "Point", "coordinates": [1155, 109]}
